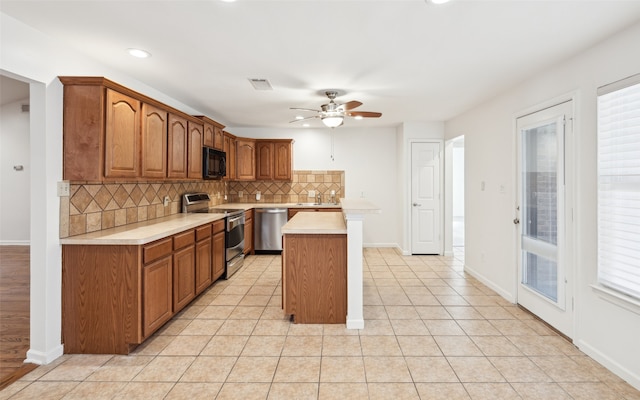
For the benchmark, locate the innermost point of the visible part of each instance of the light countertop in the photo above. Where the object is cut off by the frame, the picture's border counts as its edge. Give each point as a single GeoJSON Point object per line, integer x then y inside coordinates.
{"type": "Point", "coordinates": [155, 229]}
{"type": "Point", "coordinates": [143, 232]}
{"type": "Point", "coordinates": [315, 223]}
{"type": "Point", "coordinates": [248, 206]}
{"type": "Point", "coordinates": [359, 206]}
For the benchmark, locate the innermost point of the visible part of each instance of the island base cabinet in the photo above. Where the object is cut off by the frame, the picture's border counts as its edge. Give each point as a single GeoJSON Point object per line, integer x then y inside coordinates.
{"type": "Point", "coordinates": [100, 299]}
{"type": "Point", "coordinates": [314, 278]}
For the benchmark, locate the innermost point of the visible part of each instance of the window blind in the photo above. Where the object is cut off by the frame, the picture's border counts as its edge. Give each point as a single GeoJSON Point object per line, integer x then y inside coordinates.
{"type": "Point", "coordinates": [619, 186]}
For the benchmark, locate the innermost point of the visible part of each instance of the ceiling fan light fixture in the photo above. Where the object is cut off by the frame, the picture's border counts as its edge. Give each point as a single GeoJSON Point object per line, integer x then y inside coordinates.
{"type": "Point", "coordinates": [333, 121]}
{"type": "Point", "coordinates": [358, 117]}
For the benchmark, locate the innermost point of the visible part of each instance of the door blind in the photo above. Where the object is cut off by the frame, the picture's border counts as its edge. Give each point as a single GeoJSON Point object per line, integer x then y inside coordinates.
{"type": "Point", "coordinates": [619, 186]}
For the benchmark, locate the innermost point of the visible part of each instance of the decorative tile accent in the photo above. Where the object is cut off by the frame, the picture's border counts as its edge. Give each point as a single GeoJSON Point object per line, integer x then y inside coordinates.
{"type": "Point", "coordinates": [93, 207]}
{"type": "Point", "coordinates": [297, 190]}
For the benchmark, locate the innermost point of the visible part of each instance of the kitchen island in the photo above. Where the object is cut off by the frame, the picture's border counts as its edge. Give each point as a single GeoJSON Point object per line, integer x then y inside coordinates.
{"type": "Point", "coordinates": [314, 268]}
{"type": "Point", "coordinates": [328, 223]}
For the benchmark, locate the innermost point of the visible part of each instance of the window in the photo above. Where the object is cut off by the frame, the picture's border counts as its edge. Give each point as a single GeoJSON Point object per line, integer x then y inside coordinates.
{"type": "Point", "coordinates": [619, 186]}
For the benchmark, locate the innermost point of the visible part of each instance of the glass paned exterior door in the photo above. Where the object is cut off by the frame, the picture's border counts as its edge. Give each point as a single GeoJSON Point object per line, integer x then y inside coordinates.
{"type": "Point", "coordinates": [540, 209]}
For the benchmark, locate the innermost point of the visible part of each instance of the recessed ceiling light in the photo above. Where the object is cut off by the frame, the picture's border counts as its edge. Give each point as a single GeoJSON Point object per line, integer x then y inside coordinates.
{"type": "Point", "coordinates": [139, 53]}
{"type": "Point", "coordinates": [439, 1]}
{"type": "Point", "coordinates": [305, 125]}
{"type": "Point", "coordinates": [299, 117]}
{"type": "Point", "coordinates": [228, 1]}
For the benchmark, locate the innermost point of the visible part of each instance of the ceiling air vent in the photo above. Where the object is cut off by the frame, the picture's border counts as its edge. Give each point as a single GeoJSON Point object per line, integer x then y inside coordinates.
{"type": "Point", "coordinates": [260, 84]}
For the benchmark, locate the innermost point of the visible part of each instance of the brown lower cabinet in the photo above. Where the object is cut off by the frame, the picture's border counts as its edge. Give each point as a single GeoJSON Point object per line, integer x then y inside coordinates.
{"type": "Point", "coordinates": [116, 296]}
{"type": "Point", "coordinates": [314, 278]}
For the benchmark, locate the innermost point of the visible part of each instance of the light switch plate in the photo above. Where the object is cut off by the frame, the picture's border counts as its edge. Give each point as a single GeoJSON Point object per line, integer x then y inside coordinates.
{"type": "Point", "coordinates": [63, 189]}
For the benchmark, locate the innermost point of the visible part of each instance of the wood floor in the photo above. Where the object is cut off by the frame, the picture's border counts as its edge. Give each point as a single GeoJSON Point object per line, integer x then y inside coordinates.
{"type": "Point", "coordinates": [14, 313]}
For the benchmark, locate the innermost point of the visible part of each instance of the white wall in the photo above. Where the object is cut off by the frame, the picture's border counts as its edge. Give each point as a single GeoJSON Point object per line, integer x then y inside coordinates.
{"type": "Point", "coordinates": [368, 157]}
{"type": "Point", "coordinates": [14, 185]}
{"type": "Point", "coordinates": [28, 55]}
{"type": "Point", "coordinates": [607, 332]}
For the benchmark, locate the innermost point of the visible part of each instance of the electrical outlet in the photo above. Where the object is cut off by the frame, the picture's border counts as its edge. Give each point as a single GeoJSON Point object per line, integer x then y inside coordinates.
{"type": "Point", "coordinates": [63, 189]}
{"type": "Point", "coordinates": [240, 193]}
{"type": "Point", "coordinates": [165, 201]}
{"type": "Point", "coordinates": [258, 196]}
{"type": "Point", "coordinates": [312, 193]}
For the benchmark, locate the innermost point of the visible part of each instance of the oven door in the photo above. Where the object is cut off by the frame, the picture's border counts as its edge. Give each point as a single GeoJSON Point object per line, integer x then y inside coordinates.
{"type": "Point", "coordinates": [235, 236]}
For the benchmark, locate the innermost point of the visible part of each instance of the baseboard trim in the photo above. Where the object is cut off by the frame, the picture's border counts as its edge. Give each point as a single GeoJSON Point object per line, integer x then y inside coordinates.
{"type": "Point", "coordinates": [41, 358]}
{"type": "Point", "coordinates": [508, 296]}
{"type": "Point", "coordinates": [630, 377]}
{"type": "Point", "coordinates": [15, 242]}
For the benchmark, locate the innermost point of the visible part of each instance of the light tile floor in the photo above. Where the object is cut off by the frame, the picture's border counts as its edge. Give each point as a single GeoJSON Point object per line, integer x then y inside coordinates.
{"type": "Point", "coordinates": [431, 332]}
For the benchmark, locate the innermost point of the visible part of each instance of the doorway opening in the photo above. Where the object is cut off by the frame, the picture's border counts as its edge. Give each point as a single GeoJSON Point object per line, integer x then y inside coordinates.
{"type": "Point", "coordinates": [15, 265]}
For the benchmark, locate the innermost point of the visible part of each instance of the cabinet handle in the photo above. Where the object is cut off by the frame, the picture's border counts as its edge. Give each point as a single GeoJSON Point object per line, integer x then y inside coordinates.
{"type": "Point", "coordinates": [417, 205]}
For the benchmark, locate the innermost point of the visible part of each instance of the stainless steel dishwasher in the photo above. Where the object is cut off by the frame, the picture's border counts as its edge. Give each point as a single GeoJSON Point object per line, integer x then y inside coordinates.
{"type": "Point", "coordinates": [267, 224]}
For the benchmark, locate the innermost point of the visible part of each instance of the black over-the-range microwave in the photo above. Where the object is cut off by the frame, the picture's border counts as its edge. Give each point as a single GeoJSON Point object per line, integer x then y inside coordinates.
{"type": "Point", "coordinates": [214, 163]}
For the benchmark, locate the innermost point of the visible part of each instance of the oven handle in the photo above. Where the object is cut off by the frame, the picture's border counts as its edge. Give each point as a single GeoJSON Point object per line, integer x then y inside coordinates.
{"type": "Point", "coordinates": [233, 222]}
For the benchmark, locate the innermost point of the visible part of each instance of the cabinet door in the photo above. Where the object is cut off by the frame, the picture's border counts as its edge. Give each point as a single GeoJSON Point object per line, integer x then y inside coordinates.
{"type": "Point", "coordinates": [248, 232]}
{"type": "Point", "coordinates": [208, 139]}
{"type": "Point", "coordinates": [218, 255]}
{"type": "Point", "coordinates": [195, 150]}
{"type": "Point", "coordinates": [203, 265]}
{"type": "Point", "coordinates": [177, 147]}
{"type": "Point", "coordinates": [282, 160]}
{"type": "Point", "coordinates": [264, 160]}
{"type": "Point", "coordinates": [154, 142]}
{"type": "Point", "coordinates": [245, 160]}
{"type": "Point", "coordinates": [234, 159]}
{"type": "Point", "coordinates": [122, 136]}
{"type": "Point", "coordinates": [218, 138]}
{"type": "Point", "coordinates": [184, 280]}
{"type": "Point", "coordinates": [230, 149]}
{"type": "Point", "coordinates": [156, 295]}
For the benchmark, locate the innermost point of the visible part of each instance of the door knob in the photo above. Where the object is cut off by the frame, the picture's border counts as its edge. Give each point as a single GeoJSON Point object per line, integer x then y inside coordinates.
{"type": "Point", "coordinates": [516, 221]}
{"type": "Point", "coordinates": [417, 205]}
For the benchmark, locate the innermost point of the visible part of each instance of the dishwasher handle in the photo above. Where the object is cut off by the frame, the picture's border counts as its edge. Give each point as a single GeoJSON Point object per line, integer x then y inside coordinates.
{"type": "Point", "coordinates": [271, 210]}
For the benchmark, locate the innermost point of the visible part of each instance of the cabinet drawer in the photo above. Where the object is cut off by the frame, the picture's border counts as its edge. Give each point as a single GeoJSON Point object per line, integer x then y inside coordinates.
{"type": "Point", "coordinates": [203, 232]}
{"type": "Point", "coordinates": [218, 226]}
{"type": "Point", "coordinates": [183, 239]}
{"type": "Point", "coordinates": [156, 250]}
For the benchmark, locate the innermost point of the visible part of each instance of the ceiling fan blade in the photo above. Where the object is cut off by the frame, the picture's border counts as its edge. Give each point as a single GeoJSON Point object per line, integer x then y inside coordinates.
{"type": "Point", "coordinates": [303, 109]}
{"type": "Point", "coordinates": [351, 105]}
{"type": "Point", "coordinates": [364, 114]}
{"type": "Point", "coordinates": [302, 119]}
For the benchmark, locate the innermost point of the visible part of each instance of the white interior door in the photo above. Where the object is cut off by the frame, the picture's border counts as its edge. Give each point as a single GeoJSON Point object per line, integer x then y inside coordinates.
{"type": "Point", "coordinates": [543, 273]}
{"type": "Point", "coordinates": [426, 237]}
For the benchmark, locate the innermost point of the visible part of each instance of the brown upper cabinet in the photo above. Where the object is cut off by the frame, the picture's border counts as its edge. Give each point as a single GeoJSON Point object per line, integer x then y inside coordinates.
{"type": "Point", "coordinates": [213, 134]}
{"type": "Point", "coordinates": [111, 132]}
{"type": "Point", "coordinates": [274, 159]}
{"type": "Point", "coordinates": [154, 141]}
{"type": "Point", "coordinates": [122, 136]}
{"type": "Point", "coordinates": [245, 159]}
{"type": "Point", "coordinates": [177, 147]}
{"type": "Point", "coordinates": [229, 147]}
{"type": "Point", "coordinates": [195, 150]}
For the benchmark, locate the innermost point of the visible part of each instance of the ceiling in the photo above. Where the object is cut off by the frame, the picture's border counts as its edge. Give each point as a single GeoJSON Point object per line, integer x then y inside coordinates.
{"type": "Point", "coordinates": [410, 60]}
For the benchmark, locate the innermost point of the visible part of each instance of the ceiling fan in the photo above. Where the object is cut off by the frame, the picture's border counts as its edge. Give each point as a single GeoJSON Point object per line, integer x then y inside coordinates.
{"type": "Point", "coordinates": [332, 114]}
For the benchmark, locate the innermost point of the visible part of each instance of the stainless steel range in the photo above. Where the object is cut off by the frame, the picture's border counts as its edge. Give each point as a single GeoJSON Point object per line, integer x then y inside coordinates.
{"type": "Point", "coordinates": [234, 231]}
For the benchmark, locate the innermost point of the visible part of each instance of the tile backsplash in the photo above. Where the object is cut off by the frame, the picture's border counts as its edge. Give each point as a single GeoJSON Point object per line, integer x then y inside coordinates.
{"type": "Point", "coordinates": [94, 207]}
{"type": "Point", "coordinates": [297, 190]}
